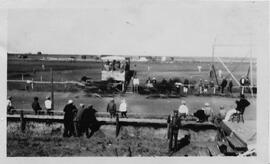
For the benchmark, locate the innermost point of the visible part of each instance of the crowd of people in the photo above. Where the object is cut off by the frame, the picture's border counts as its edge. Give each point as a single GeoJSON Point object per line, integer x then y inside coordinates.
{"type": "Point", "coordinates": [116, 65]}
{"type": "Point", "coordinates": [206, 113]}
{"type": "Point", "coordinates": [202, 87]}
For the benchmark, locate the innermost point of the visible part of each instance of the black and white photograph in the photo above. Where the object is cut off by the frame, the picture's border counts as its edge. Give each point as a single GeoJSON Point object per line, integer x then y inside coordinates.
{"type": "Point", "coordinates": [136, 79]}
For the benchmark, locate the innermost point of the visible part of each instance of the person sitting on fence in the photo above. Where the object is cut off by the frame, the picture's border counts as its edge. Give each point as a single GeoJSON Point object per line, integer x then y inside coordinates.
{"type": "Point", "coordinates": [70, 111]}
{"type": "Point", "coordinates": [35, 106]}
{"type": "Point", "coordinates": [111, 108]}
{"type": "Point", "coordinates": [208, 111]}
{"type": "Point", "coordinates": [10, 107]}
{"type": "Point", "coordinates": [123, 108]}
{"type": "Point", "coordinates": [183, 109]}
{"type": "Point", "coordinates": [48, 105]}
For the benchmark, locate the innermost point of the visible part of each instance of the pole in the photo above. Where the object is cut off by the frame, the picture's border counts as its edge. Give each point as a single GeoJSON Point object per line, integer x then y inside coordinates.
{"type": "Point", "coordinates": [251, 67]}
{"type": "Point", "coordinates": [228, 71]}
{"type": "Point", "coordinates": [52, 90]}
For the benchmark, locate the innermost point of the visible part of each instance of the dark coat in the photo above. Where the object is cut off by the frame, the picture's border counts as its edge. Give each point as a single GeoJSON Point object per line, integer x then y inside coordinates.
{"type": "Point", "coordinates": [36, 106]}
{"type": "Point", "coordinates": [111, 107]}
{"type": "Point", "coordinates": [242, 104]}
{"type": "Point", "coordinates": [70, 111]}
{"type": "Point", "coordinates": [224, 83]}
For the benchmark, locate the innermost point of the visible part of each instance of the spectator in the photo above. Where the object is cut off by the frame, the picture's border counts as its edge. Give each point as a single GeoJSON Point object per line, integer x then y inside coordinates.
{"type": "Point", "coordinates": [123, 108]}
{"type": "Point", "coordinates": [70, 112]}
{"type": "Point", "coordinates": [200, 86]}
{"type": "Point", "coordinates": [230, 86]}
{"type": "Point", "coordinates": [183, 109]}
{"type": "Point", "coordinates": [136, 83]}
{"type": "Point", "coordinates": [186, 86]}
{"type": "Point", "coordinates": [212, 86]}
{"type": "Point", "coordinates": [48, 105]}
{"type": "Point", "coordinates": [208, 111]}
{"type": "Point", "coordinates": [154, 81]}
{"type": "Point", "coordinates": [10, 107]}
{"type": "Point", "coordinates": [223, 84]}
{"type": "Point", "coordinates": [241, 106]}
{"type": "Point", "coordinates": [221, 114]}
{"type": "Point", "coordinates": [77, 127]}
{"type": "Point", "coordinates": [35, 106]}
{"type": "Point", "coordinates": [111, 108]}
{"type": "Point", "coordinates": [205, 87]}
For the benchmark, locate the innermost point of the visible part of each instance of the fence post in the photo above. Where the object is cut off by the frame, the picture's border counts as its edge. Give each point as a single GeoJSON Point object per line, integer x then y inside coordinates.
{"type": "Point", "coordinates": [117, 125]}
{"type": "Point", "coordinates": [22, 119]}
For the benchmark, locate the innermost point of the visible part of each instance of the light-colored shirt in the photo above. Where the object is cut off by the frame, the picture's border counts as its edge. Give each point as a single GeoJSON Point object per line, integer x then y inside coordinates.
{"type": "Point", "coordinates": [48, 104]}
{"type": "Point", "coordinates": [136, 81]}
{"type": "Point", "coordinates": [183, 109]}
{"type": "Point", "coordinates": [123, 107]}
{"type": "Point", "coordinates": [207, 111]}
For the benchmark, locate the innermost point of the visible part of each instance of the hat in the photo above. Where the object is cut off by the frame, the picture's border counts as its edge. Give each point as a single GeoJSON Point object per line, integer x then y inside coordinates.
{"type": "Point", "coordinates": [81, 105]}
{"type": "Point", "coordinates": [206, 104]}
{"type": "Point", "coordinates": [9, 97]}
{"type": "Point", "coordinates": [47, 97]}
{"type": "Point", "coordinates": [70, 101]}
{"type": "Point", "coordinates": [221, 107]}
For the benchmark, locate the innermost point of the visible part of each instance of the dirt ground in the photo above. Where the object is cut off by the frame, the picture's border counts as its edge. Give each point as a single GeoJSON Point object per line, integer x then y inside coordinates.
{"type": "Point", "coordinates": [46, 140]}
{"type": "Point", "coordinates": [137, 104]}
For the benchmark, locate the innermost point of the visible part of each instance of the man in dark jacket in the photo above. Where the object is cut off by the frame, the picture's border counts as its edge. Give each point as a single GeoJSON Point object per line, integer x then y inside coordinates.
{"type": "Point", "coordinates": [223, 84]}
{"type": "Point", "coordinates": [230, 86]}
{"type": "Point", "coordinates": [35, 105]}
{"type": "Point", "coordinates": [70, 112]}
{"type": "Point", "coordinates": [111, 108]}
{"type": "Point", "coordinates": [242, 104]}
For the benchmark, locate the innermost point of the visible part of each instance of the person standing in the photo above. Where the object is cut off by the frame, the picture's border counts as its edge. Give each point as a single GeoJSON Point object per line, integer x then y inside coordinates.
{"type": "Point", "coordinates": [48, 105]}
{"type": "Point", "coordinates": [123, 108]}
{"type": "Point", "coordinates": [70, 111]}
{"type": "Point", "coordinates": [230, 86]}
{"type": "Point", "coordinates": [111, 108]}
{"type": "Point", "coordinates": [223, 84]}
{"type": "Point", "coordinates": [136, 83]}
{"type": "Point", "coordinates": [183, 109]}
{"type": "Point", "coordinates": [35, 106]}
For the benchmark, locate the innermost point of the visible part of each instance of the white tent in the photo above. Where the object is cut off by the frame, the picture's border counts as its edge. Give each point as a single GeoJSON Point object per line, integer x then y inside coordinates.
{"type": "Point", "coordinates": [111, 58]}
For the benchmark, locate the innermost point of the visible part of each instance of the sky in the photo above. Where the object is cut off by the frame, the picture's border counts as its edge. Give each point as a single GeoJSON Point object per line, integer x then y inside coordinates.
{"type": "Point", "coordinates": [184, 28]}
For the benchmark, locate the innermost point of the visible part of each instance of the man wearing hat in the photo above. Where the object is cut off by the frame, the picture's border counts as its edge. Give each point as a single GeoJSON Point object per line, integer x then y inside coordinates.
{"type": "Point", "coordinates": [48, 105]}
{"type": "Point", "coordinates": [35, 106]}
{"type": "Point", "coordinates": [208, 111]}
{"type": "Point", "coordinates": [70, 112]}
{"type": "Point", "coordinates": [111, 108]}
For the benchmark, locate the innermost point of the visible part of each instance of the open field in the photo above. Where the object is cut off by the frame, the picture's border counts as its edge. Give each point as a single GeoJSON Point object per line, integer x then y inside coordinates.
{"type": "Point", "coordinates": [137, 104]}
{"type": "Point", "coordinates": [74, 70]}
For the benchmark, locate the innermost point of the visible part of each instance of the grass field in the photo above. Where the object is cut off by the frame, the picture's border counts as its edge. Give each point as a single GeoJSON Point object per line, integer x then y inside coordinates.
{"type": "Point", "coordinates": [74, 70]}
